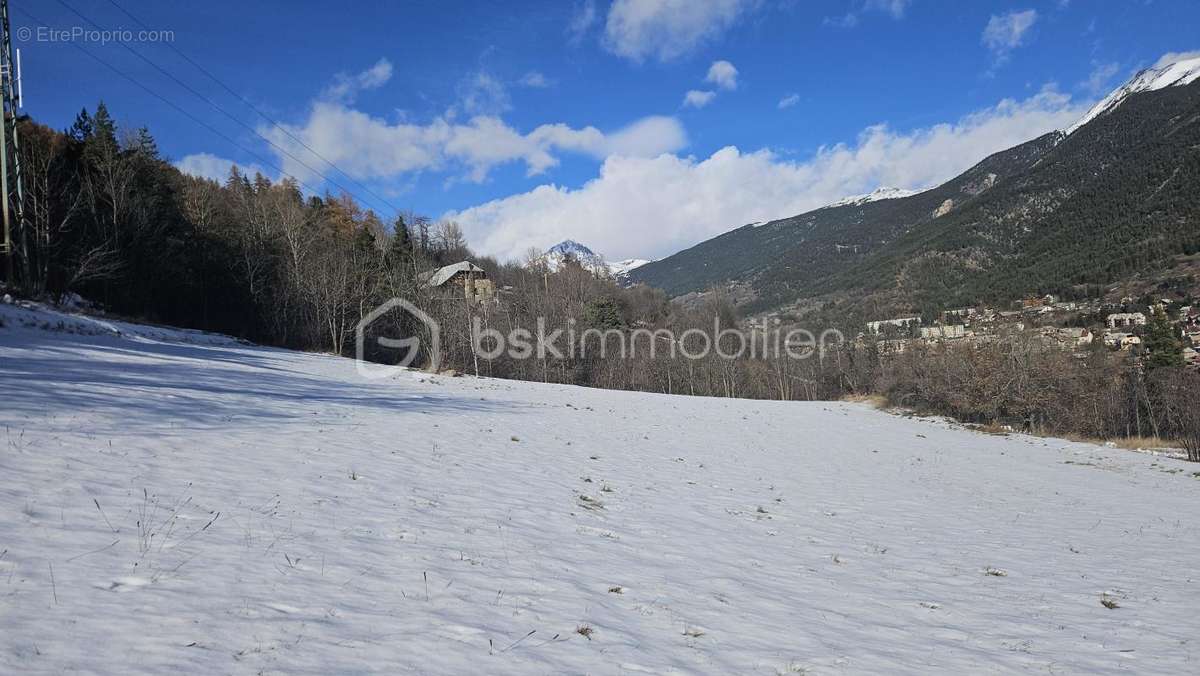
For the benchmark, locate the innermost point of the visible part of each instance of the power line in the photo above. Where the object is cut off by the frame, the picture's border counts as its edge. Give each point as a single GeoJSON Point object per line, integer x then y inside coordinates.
{"type": "Point", "coordinates": [217, 107]}
{"type": "Point", "coordinates": [251, 106]}
{"type": "Point", "coordinates": [180, 109]}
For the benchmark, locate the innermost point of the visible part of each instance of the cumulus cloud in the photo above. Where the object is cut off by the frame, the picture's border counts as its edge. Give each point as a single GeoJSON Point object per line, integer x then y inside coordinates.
{"type": "Point", "coordinates": [346, 87]}
{"type": "Point", "coordinates": [1006, 32]}
{"type": "Point", "coordinates": [696, 98]}
{"type": "Point", "coordinates": [368, 147]}
{"type": "Point", "coordinates": [667, 29]}
{"type": "Point", "coordinates": [207, 165]}
{"type": "Point", "coordinates": [789, 101]}
{"type": "Point", "coordinates": [648, 137]}
{"type": "Point", "coordinates": [655, 205]}
{"type": "Point", "coordinates": [722, 74]}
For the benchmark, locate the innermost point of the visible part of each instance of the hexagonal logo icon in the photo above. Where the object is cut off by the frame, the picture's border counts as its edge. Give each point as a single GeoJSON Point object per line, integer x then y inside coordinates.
{"type": "Point", "coordinates": [411, 345]}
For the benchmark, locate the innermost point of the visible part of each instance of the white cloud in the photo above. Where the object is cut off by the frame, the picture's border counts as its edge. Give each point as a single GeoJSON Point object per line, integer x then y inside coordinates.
{"type": "Point", "coordinates": [720, 73]}
{"type": "Point", "coordinates": [723, 74]}
{"type": "Point", "coordinates": [895, 8]}
{"type": "Point", "coordinates": [789, 101]}
{"type": "Point", "coordinates": [535, 80]}
{"type": "Point", "coordinates": [653, 206]}
{"type": "Point", "coordinates": [648, 137]}
{"type": "Point", "coordinates": [667, 29]}
{"type": "Point", "coordinates": [207, 165]}
{"type": "Point", "coordinates": [1100, 78]}
{"type": "Point", "coordinates": [581, 22]}
{"type": "Point", "coordinates": [482, 94]}
{"type": "Point", "coordinates": [367, 147]}
{"type": "Point", "coordinates": [346, 87]}
{"type": "Point", "coordinates": [1171, 57]}
{"type": "Point", "coordinates": [698, 99]}
{"type": "Point", "coordinates": [848, 20]}
{"type": "Point", "coordinates": [1006, 32]}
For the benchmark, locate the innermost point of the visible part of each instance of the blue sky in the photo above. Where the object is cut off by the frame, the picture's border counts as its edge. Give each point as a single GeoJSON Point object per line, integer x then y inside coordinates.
{"type": "Point", "coordinates": [534, 122]}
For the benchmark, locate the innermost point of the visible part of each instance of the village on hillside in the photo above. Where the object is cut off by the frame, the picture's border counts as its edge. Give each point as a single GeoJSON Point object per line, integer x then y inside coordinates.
{"type": "Point", "coordinates": [1070, 325]}
{"type": "Point", "coordinates": [1048, 320]}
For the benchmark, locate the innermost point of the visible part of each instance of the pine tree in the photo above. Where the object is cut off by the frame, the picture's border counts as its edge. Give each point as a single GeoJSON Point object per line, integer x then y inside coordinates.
{"type": "Point", "coordinates": [603, 313]}
{"type": "Point", "coordinates": [364, 239]}
{"type": "Point", "coordinates": [234, 180]}
{"type": "Point", "coordinates": [101, 143]}
{"type": "Point", "coordinates": [82, 129]}
{"type": "Point", "coordinates": [262, 184]}
{"type": "Point", "coordinates": [145, 145]}
{"type": "Point", "coordinates": [401, 238]}
{"type": "Point", "coordinates": [1162, 341]}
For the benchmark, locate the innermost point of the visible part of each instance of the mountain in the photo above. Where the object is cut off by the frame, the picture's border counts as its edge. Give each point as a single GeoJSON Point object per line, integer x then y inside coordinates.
{"type": "Point", "coordinates": [1063, 213]}
{"type": "Point", "coordinates": [622, 268]}
{"type": "Point", "coordinates": [1173, 74]}
{"type": "Point", "coordinates": [780, 258]}
{"type": "Point", "coordinates": [569, 249]}
{"type": "Point", "coordinates": [873, 196]}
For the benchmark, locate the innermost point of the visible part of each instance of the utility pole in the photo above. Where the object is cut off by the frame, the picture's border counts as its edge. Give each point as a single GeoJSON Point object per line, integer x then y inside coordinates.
{"type": "Point", "coordinates": [13, 208]}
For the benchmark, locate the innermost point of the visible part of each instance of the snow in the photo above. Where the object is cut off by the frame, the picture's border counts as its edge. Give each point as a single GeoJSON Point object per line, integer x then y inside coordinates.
{"type": "Point", "coordinates": [444, 274]}
{"type": "Point", "coordinates": [571, 247]}
{"type": "Point", "coordinates": [873, 196]}
{"type": "Point", "coordinates": [175, 501]}
{"type": "Point", "coordinates": [23, 317]}
{"type": "Point", "coordinates": [1178, 73]}
{"type": "Point", "coordinates": [621, 268]}
{"type": "Point", "coordinates": [590, 260]}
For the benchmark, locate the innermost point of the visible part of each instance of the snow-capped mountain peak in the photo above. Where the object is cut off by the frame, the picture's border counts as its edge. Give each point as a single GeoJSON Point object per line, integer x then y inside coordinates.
{"type": "Point", "coordinates": [570, 247]}
{"type": "Point", "coordinates": [1180, 72]}
{"type": "Point", "coordinates": [556, 255]}
{"type": "Point", "coordinates": [873, 196]}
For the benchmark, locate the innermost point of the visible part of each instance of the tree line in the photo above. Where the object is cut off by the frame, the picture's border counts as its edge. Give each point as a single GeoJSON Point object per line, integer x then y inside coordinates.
{"type": "Point", "coordinates": [108, 218]}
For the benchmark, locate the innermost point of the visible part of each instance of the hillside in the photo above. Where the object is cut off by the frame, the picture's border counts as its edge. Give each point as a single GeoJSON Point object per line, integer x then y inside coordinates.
{"type": "Point", "coordinates": [1114, 199]}
{"type": "Point", "coordinates": [178, 501]}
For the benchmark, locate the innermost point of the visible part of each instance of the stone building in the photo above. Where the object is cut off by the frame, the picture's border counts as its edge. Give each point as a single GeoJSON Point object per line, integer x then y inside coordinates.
{"type": "Point", "coordinates": [467, 279]}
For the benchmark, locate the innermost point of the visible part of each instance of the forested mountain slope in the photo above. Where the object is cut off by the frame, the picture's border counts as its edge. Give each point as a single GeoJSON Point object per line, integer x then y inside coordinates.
{"type": "Point", "coordinates": [1117, 196]}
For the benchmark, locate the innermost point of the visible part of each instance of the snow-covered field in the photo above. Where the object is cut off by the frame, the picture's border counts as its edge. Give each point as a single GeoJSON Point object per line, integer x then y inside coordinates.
{"type": "Point", "coordinates": [182, 502]}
